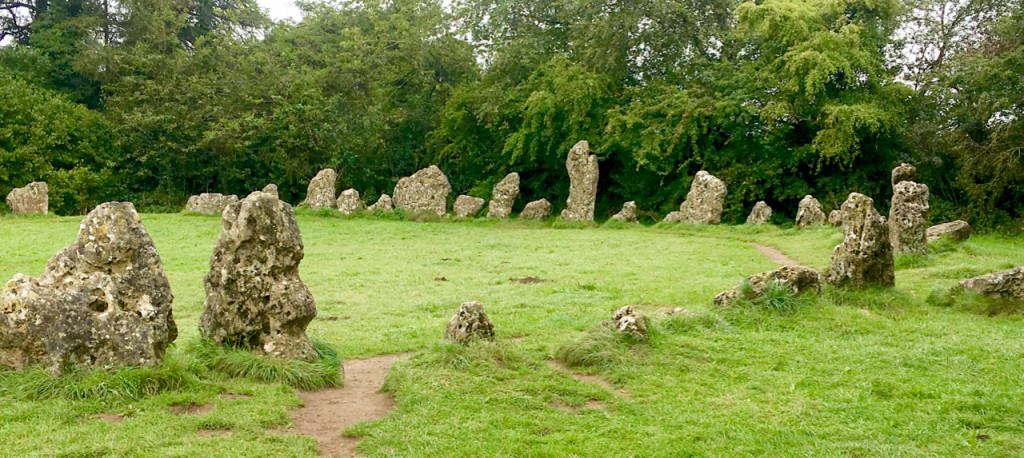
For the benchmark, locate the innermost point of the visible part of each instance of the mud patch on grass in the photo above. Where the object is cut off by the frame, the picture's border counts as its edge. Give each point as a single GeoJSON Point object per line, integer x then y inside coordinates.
{"type": "Point", "coordinates": [191, 409]}
{"type": "Point", "coordinates": [527, 280]}
{"type": "Point", "coordinates": [585, 378]}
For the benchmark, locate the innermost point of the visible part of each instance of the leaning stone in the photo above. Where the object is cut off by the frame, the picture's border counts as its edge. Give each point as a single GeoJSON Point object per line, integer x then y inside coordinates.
{"type": "Point", "coordinates": [628, 321]}
{"type": "Point", "coordinates": [538, 209]}
{"type": "Point", "coordinates": [704, 202]}
{"type": "Point", "coordinates": [800, 279]}
{"type": "Point", "coordinates": [383, 204]}
{"type": "Point", "coordinates": [908, 218]}
{"type": "Point", "coordinates": [33, 198]}
{"type": "Point", "coordinates": [627, 214]}
{"type": "Point", "coordinates": [425, 191]}
{"type": "Point", "coordinates": [835, 218]}
{"type": "Point", "coordinates": [320, 193]}
{"type": "Point", "coordinates": [254, 297]}
{"type": "Point", "coordinates": [503, 196]}
{"type": "Point", "coordinates": [467, 206]}
{"type": "Point", "coordinates": [103, 301]}
{"type": "Point", "coordinates": [865, 257]}
{"type": "Point", "coordinates": [469, 323]}
{"type": "Point", "coordinates": [350, 202]}
{"type": "Point", "coordinates": [809, 212]}
{"type": "Point", "coordinates": [1008, 284]}
{"type": "Point", "coordinates": [583, 174]}
{"type": "Point", "coordinates": [903, 172]}
{"type": "Point", "coordinates": [209, 203]}
{"type": "Point", "coordinates": [271, 189]}
{"type": "Point", "coordinates": [761, 214]}
{"type": "Point", "coordinates": [956, 230]}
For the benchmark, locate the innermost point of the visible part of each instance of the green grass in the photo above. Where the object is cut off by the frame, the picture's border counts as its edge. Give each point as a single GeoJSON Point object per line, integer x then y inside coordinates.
{"type": "Point", "coordinates": [866, 373]}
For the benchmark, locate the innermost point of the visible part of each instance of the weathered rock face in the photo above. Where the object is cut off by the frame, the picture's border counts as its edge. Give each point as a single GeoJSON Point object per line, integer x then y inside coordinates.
{"type": "Point", "coordinates": [503, 196]}
{"type": "Point", "coordinates": [809, 213]}
{"type": "Point", "coordinates": [703, 203]}
{"type": "Point", "coordinates": [33, 198]}
{"type": "Point", "coordinates": [800, 279]}
{"type": "Point", "coordinates": [627, 214]}
{"type": "Point", "coordinates": [761, 214]}
{"type": "Point", "coordinates": [270, 189]}
{"type": "Point", "coordinates": [467, 206]}
{"type": "Point", "coordinates": [627, 321]}
{"type": "Point", "coordinates": [835, 218]}
{"type": "Point", "coordinates": [865, 257]}
{"type": "Point", "coordinates": [903, 172]}
{"type": "Point", "coordinates": [103, 301]}
{"type": "Point", "coordinates": [350, 202]}
{"type": "Point", "coordinates": [1008, 284]}
{"type": "Point", "coordinates": [254, 297]}
{"type": "Point", "coordinates": [320, 193]}
{"type": "Point", "coordinates": [209, 203]}
{"type": "Point", "coordinates": [469, 323]}
{"type": "Point", "coordinates": [583, 174]}
{"type": "Point", "coordinates": [908, 218]}
{"type": "Point", "coordinates": [425, 191]}
{"type": "Point", "coordinates": [956, 230]}
{"type": "Point", "coordinates": [538, 209]}
{"type": "Point", "coordinates": [383, 204]}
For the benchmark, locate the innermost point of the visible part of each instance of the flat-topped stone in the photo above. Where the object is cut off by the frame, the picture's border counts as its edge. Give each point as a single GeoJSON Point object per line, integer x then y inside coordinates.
{"type": "Point", "coordinates": [33, 198]}
{"type": "Point", "coordinates": [956, 230]}
{"type": "Point", "coordinates": [209, 203]}
{"type": "Point", "coordinates": [466, 206]}
{"type": "Point", "coordinates": [538, 209]}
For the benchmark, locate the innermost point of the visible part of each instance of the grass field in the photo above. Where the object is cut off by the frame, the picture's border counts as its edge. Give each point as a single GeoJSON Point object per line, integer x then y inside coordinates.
{"type": "Point", "coordinates": [868, 373]}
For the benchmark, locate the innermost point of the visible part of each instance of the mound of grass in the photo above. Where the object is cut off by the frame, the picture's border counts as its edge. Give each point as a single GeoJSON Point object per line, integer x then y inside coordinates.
{"type": "Point", "coordinates": [243, 363]}
{"type": "Point", "coordinates": [599, 347]}
{"type": "Point", "coordinates": [477, 353]}
{"type": "Point", "coordinates": [969, 301]}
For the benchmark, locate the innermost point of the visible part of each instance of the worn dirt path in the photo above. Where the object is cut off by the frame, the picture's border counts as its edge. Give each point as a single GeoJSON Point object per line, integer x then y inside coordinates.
{"type": "Point", "coordinates": [775, 255]}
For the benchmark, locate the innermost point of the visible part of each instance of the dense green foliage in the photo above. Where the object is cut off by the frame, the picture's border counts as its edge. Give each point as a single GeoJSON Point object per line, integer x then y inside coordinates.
{"type": "Point", "coordinates": [155, 100]}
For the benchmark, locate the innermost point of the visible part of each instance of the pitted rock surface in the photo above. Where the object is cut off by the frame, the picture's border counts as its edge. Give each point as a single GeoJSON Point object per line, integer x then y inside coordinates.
{"type": "Point", "coordinates": [467, 206]}
{"type": "Point", "coordinates": [1008, 284]}
{"type": "Point", "coordinates": [254, 296]}
{"type": "Point", "coordinates": [320, 193]}
{"type": "Point", "coordinates": [383, 204]}
{"type": "Point", "coordinates": [103, 301]}
{"type": "Point", "coordinates": [425, 191]}
{"type": "Point", "coordinates": [809, 213]}
{"type": "Point", "coordinates": [350, 202]}
{"type": "Point", "coordinates": [956, 230]}
{"type": "Point", "coordinates": [469, 323]}
{"type": "Point", "coordinates": [538, 209]}
{"type": "Point", "coordinates": [835, 218]}
{"type": "Point", "coordinates": [865, 257]}
{"type": "Point", "coordinates": [704, 202]}
{"type": "Point", "coordinates": [503, 196]}
{"type": "Point", "coordinates": [903, 172]}
{"type": "Point", "coordinates": [583, 175]}
{"type": "Point", "coordinates": [627, 321]}
{"type": "Point", "coordinates": [761, 214]}
{"type": "Point", "coordinates": [32, 198]}
{"type": "Point", "coordinates": [210, 203]}
{"type": "Point", "coordinates": [271, 189]}
{"type": "Point", "coordinates": [908, 218]}
{"type": "Point", "coordinates": [800, 279]}
{"type": "Point", "coordinates": [627, 214]}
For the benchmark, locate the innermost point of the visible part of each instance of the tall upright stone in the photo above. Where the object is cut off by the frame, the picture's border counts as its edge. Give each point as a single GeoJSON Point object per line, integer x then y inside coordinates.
{"type": "Point", "coordinates": [761, 214]}
{"type": "Point", "coordinates": [503, 196]}
{"type": "Point", "coordinates": [903, 172]}
{"type": "Point", "coordinates": [908, 218]}
{"type": "Point", "coordinates": [627, 214]}
{"type": "Point", "coordinates": [425, 191]}
{"type": "Point", "coordinates": [103, 301]}
{"type": "Point", "coordinates": [254, 296]}
{"type": "Point", "coordinates": [320, 193]}
{"type": "Point", "coordinates": [583, 175]}
{"type": "Point", "coordinates": [865, 258]}
{"type": "Point", "coordinates": [350, 202]}
{"type": "Point", "coordinates": [704, 202]}
{"type": "Point", "coordinates": [809, 212]}
{"type": "Point", "coordinates": [33, 198]}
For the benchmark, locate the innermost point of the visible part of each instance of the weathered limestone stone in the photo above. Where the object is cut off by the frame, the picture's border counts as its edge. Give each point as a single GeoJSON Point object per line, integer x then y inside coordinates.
{"type": "Point", "coordinates": [956, 230]}
{"type": "Point", "coordinates": [903, 172]}
{"type": "Point", "coordinates": [761, 214]}
{"type": "Point", "coordinates": [254, 297]}
{"type": "Point", "coordinates": [210, 203]}
{"type": "Point", "coordinates": [467, 206]}
{"type": "Point", "coordinates": [704, 202]}
{"type": "Point", "coordinates": [33, 198]}
{"type": "Point", "coordinates": [538, 209]}
{"type": "Point", "coordinates": [503, 196]}
{"type": "Point", "coordinates": [350, 202]}
{"type": "Point", "coordinates": [627, 321]}
{"type": "Point", "coordinates": [583, 174]}
{"type": "Point", "coordinates": [270, 189]}
{"type": "Point", "coordinates": [835, 218]}
{"type": "Point", "coordinates": [469, 323]}
{"type": "Point", "coordinates": [908, 218]}
{"type": "Point", "coordinates": [383, 204]}
{"type": "Point", "coordinates": [809, 213]}
{"type": "Point", "coordinates": [103, 301]}
{"type": "Point", "coordinates": [320, 193]}
{"type": "Point", "coordinates": [865, 257]}
{"type": "Point", "coordinates": [425, 191]}
{"type": "Point", "coordinates": [1008, 284]}
{"type": "Point", "coordinates": [627, 214]}
{"type": "Point", "coordinates": [800, 279]}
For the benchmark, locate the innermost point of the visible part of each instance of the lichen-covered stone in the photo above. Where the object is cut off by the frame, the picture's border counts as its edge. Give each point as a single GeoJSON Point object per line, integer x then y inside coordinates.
{"type": "Point", "coordinates": [908, 218]}
{"type": "Point", "coordinates": [350, 202]}
{"type": "Point", "coordinates": [583, 175]}
{"type": "Point", "coordinates": [835, 218]}
{"type": "Point", "coordinates": [467, 206]}
{"type": "Point", "coordinates": [1008, 284]}
{"type": "Point", "coordinates": [103, 301]}
{"type": "Point", "coordinates": [956, 230]}
{"type": "Point", "coordinates": [503, 196]}
{"type": "Point", "coordinates": [627, 321]}
{"type": "Point", "coordinates": [271, 189]}
{"type": "Point", "coordinates": [209, 203]}
{"type": "Point", "coordinates": [627, 214]}
{"type": "Point", "coordinates": [800, 279]}
{"type": "Point", "coordinates": [425, 191]}
{"type": "Point", "coordinates": [383, 204]}
{"type": "Point", "coordinates": [320, 193]}
{"type": "Point", "coordinates": [469, 323]}
{"type": "Point", "coordinates": [903, 172]}
{"type": "Point", "coordinates": [704, 202]}
{"type": "Point", "coordinates": [761, 214]}
{"type": "Point", "coordinates": [809, 213]}
{"type": "Point", "coordinates": [33, 198]}
{"type": "Point", "coordinates": [254, 296]}
{"type": "Point", "coordinates": [865, 257]}
{"type": "Point", "coordinates": [538, 209]}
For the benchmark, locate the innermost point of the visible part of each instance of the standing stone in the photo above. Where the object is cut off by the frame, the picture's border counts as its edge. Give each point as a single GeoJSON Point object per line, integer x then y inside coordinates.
{"type": "Point", "coordinates": [956, 230]}
{"type": "Point", "coordinates": [908, 218]}
{"type": "Point", "coordinates": [864, 258]}
{"type": "Point", "coordinates": [350, 202]}
{"type": "Point", "coordinates": [320, 193]}
{"type": "Point", "coordinates": [271, 189]}
{"type": "Point", "coordinates": [103, 301]}
{"type": "Point", "coordinates": [383, 204]}
{"type": "Point", "coordinates": [627, 214]}
{"type": "Point", "coordinates": [1008, 284]}
{"type": "Point", "coordinates": [704, 202]}
{"type": "Point", "coordinates": [425, 191]}
{"type": "Point", "coordinates": [903, 172]}
{"type": "Point", "coordinates": [809, 213]}
{"type": "Point", "coordinates": [799, 279]}
{"type": "Point", "coordinates": [32, 198]}
{"type": "Point", "coordinates": [761, 214]}
{"type": "Point", "coordinates": [254, 297]}
{"type": "Point", "coordinates": [209, 203]}
{"type": "Point", "coordinates": [467, 206]}
{"type": "Point", "coordinates": [835, 218]}
{"type": "Point", "coordinates": [583, 174]}
{"type": "Point", "coordinates": [627, 321]}
{"type": "Point", "coordinates": [502, 197]}
{"type": "Point", "coordinates": [469, 323]}
{"type": "Point", "coordinates": [538, 209]}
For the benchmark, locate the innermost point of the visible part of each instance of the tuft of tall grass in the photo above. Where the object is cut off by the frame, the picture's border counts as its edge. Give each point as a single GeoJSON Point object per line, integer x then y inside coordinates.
{"type": "Point", "coordinates": [477, 352]}
{"type": "Point", "coordinates": [599, 346]}
{"type": "Point", "coordinates": [236, 362]}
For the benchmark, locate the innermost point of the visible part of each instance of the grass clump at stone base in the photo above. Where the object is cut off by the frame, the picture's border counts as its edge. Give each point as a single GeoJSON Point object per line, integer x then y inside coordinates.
{"type": "Point", "coordinates": [600, 346]}
{"type": "Point", "coordinates": [236, 362]}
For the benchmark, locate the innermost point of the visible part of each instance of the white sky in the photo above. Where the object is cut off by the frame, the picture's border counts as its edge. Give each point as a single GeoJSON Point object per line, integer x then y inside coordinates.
{"type": "Point", "coordinates": [281, 9]}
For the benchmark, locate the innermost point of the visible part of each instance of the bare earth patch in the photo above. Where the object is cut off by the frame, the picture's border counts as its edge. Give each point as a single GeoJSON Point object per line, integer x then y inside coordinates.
{"type": "Point", "coordinates": [214, 432]}
{"type": "Point", "coordinates": [235, 397]}
{"type": "Point", "coordinates": [191, 409]}
{"type": "Point", "coordinates": [592, 404]}
{"type": "Point", "coordinates": [775, 255]}
{"type": "Point", "coordinates": [113, 418]}
{"type": "Point", "coordinates": [527, 280]}
{"type": "Point", "coordinates": [592, 379]}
